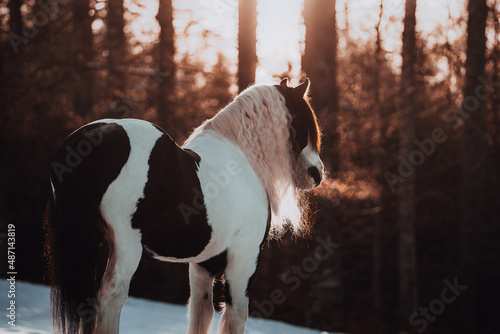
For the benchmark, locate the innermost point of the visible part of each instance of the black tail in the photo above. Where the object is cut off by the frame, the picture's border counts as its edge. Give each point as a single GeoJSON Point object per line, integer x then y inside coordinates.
{"type": "Point", "coordinates": [76, 247]}
{"type": "Point", "coordinates": [77, 252]}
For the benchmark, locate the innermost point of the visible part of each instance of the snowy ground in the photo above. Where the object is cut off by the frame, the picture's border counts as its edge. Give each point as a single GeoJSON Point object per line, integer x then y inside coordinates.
{"type": "Point", "coordinates": [138, 315]}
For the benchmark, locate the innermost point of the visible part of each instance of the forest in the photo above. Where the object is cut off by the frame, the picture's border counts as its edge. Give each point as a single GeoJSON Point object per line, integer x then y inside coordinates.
{"type": "Point", "coordinates": [407, 94]}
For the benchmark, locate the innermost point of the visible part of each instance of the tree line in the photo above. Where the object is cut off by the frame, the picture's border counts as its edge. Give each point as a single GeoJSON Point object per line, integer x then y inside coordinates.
{"type": "Point", "coordinates": [413, 157]}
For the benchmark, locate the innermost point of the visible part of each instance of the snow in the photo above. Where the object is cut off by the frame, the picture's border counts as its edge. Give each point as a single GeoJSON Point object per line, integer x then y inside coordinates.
{"type": "Point", "coordinates": [138, 315]}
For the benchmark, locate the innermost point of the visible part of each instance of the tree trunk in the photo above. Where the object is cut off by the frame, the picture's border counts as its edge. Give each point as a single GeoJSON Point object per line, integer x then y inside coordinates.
{"type": "Point", "coordinates": [116, 47]}
{"type": "Point", "coordinates": [15, 19]}
{"type": "Point", "coordinates": [319, 63]}
{"type": "Point", "coordinates": [12, 45]}
{"type": "Point", "coordinates": [377, 219]}
{"type": "Point", "coordinates": [406, 212]}
{"type": "Point", "coordinates": [166, 108]}
{"type": "Point", "coordinates": [247, 43]}
{"type": "Point", "coordinates": [82, 54]}
{"type": "Point", "coordinates": [496, 78]}
{"type": "Point", "coordinates": [473, 214]}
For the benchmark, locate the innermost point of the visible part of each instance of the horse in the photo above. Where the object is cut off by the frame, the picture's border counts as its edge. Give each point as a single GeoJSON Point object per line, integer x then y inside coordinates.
{"type": "Point", "coordinates": [123, 187]}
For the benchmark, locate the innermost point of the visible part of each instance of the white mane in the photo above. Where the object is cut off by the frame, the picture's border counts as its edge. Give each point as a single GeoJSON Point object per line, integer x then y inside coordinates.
{"type": "Point", "coordinates": [259, 123]}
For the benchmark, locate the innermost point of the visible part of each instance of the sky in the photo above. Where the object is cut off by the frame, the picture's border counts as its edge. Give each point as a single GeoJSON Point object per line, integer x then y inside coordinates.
{"type": "Point", "coordinates": [280, 30]}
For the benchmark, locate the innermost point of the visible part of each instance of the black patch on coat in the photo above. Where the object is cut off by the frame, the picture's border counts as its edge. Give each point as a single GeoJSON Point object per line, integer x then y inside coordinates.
{"type": "Point", "coordinates": [216, 264]}
{"type": "Point", "coordinates": [268, 227]}
{"type": "Point", "coordinates": [195, 156]}
{"type": "Point", "coordinates": [227, 293]}
{"type": "Point", "coordinates": [89, 160]}
{"type": "Point", "coordinates": [172, 216]}
{"type": "Point", "coordinates": [304, 121]}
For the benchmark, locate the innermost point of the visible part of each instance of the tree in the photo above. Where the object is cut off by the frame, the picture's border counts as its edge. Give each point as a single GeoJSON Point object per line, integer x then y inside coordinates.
{"type": "Point", "coordinates": [495, 58]}
{"type": "Point", "coordinates": [378, 158]}
{"type": "Point", "coordinates": [82, 55]}
{"type": "Point", "coordinates": [15, 18]}
{"type": "Point", "coordinates": [247, 43]}
{"type": "Point", "coordinates": [166, 51]}
{"type": "Point", "coordinates": [406, 210]}
{"type": "Point", "coordinates": [319, 63]}
{"type": "Point", "coordinates": [473, 216]}
{"type": "Point", "coordinates": [15, 37]}
{"type": "Point", "coordinates": [116, 46]}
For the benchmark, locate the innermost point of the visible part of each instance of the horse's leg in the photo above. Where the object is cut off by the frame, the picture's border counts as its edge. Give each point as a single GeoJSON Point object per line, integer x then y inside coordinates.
{"type": "Point", "coordinates": [201, 308]}
{"type": "Point", "coordinates": [126, 251]}
{"type": "Point", "coordinates": [241, 266]}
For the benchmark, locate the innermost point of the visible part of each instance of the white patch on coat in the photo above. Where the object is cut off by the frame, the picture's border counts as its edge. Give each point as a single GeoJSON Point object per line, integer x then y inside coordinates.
{"type": "Point", "coordinates": [237, 210]}
{"type": "Point", "coordinates": [118, 206]}
{"type": "Point", "coordinates": [242, 264]}
{"type": "Point", "coordinates": [235, 199]}
{"type": "Point", "coordinates": [201, 307]}
{"type": "Point", "coordinates": [119, 202]}
{"type": "Point", "coordinates": [311, 156]}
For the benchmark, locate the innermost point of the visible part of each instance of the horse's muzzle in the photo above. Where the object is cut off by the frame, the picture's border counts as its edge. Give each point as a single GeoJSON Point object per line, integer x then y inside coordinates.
{"type": "Point", "coordinates": [315, 174]}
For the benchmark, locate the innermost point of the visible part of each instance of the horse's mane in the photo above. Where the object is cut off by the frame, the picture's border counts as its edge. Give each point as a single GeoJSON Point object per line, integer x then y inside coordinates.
{"type": "Point", "coordinates": [259, 123]}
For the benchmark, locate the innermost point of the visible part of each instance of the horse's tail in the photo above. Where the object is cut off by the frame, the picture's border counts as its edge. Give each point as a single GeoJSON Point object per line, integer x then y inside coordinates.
{"type": "Point", "coordinates": [77, 253]}
{"type": "Point", "coordinates": [79, 241]}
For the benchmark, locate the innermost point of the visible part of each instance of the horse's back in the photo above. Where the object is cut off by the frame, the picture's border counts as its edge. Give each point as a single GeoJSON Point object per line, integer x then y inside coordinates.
{"type": "Point", "coordinates": [104, 166]}
{"type": "Point", "coordinates": [85, 157]}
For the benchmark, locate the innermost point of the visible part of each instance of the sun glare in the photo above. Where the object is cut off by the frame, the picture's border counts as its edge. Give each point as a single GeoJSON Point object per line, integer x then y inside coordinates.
{"type": "Point", "coordinates": [280, 37]}
{"type": "Point", "coordinates": [207, 28]}
{"type": "Point", "coordinates": [141, 22]}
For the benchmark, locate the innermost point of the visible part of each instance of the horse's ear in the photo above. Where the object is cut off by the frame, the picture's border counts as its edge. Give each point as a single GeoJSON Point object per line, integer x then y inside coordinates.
{"type": "Point", "coordinates": [284, 83]}
{"type": "Point", "coordinates": [302, 89]}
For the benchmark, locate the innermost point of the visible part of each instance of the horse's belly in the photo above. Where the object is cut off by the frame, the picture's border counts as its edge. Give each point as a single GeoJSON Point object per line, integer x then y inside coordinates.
{"type": "Point", "coordinates": [171, 239]}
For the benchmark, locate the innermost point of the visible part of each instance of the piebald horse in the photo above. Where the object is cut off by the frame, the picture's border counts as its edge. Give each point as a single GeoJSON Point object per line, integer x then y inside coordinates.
{"type": "Point", "coordinates": [122, 187]}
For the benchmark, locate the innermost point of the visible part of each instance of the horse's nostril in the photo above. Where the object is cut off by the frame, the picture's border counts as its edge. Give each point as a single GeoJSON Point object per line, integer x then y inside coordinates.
{"type": "Point", "coordinates": [315, 174]}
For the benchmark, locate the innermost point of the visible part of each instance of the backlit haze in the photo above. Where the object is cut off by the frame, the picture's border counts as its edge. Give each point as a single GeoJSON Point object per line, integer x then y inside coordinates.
{"type": "Point", "coordinates": [280, 28]}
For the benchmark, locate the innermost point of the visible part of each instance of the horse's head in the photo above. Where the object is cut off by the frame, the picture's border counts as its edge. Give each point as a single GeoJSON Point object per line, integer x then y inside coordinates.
{"type": "Point", "coordinates": [305, 136]}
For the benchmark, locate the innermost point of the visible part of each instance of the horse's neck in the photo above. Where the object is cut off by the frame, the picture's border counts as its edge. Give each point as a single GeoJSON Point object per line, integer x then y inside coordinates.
{"type": "Point", "coordinates": [215, 148]}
